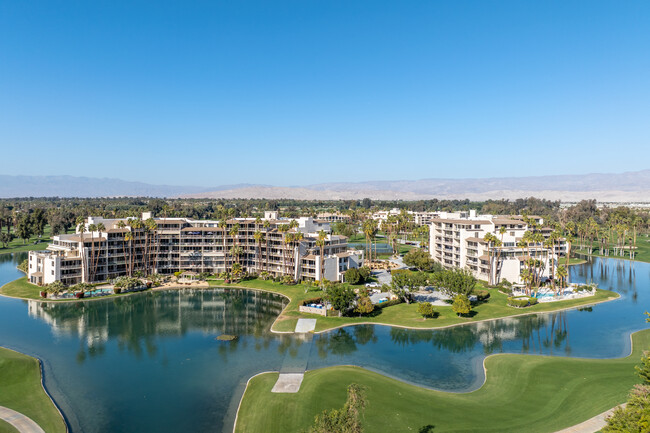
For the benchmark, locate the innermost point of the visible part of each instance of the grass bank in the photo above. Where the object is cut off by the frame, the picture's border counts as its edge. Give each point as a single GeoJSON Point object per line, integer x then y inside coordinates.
{"type": "Point", "coordinates": [21, 390]}
{"type": "Point", "coordinates": [642, 249]}
{"type": "Point", "coordinates": [521, 393]}
{"type": "Point", "coordinates": [32, 244]}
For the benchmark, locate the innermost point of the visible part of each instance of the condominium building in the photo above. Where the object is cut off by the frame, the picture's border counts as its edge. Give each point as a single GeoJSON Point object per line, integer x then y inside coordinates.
{"type": "Point", "coordinates": [183, 244]}
{"type": "Point", "coordinates": [457, 240]}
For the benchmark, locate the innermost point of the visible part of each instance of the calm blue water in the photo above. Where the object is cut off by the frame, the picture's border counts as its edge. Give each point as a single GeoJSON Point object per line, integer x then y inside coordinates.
{"type": "Point", "coordinates": [150, 362]}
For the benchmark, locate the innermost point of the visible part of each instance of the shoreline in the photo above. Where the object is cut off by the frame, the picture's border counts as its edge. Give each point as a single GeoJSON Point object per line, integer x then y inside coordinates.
{"type": "Point", "coordinates": [483, 363]}
{"type": "Point", "coordinates": [43, 387]}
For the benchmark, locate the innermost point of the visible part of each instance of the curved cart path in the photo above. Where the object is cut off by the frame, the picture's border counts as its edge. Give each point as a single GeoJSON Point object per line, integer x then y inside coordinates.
{"type": "Point", "coordinates": [19, 421]}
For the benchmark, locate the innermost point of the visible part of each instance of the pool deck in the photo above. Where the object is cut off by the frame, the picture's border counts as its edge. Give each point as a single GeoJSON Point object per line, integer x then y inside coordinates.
{"type": "Point", "coordinates": [19, 421]}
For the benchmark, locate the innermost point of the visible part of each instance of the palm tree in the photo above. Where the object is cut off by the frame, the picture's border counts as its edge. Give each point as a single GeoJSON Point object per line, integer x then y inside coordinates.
{"type": "Point", "coordinates": [287, 240]}
{"type": "Point", "coordinates": [100, 228]}
{"type": "Point", "coordinates": [223, 225]}
{"type": "Point", "coordinates": [320, 242]}
{"type": "Point", "coordinates": [150, 227]}
{"type": "Point", "coordinates": [267, 226]}
{"type": "Point", "coordinates": [297, 237]}
{"type": "Point", "coordinates": [259, 237]}
{"type": "Point", "coordinates": [234, 232]}
{"type": "Point", "coordinates": [283, 229]}
{"type": "Point", "coordinates": [562, 274]}
{"type": "Point", "coordinates": [81, 228]}
{"type": "Point", "coordinates": [92, 228]}
{"type": "Point", "coordinates": [490, 239]}
{"type": "Point", "coordinates": [122, 225]}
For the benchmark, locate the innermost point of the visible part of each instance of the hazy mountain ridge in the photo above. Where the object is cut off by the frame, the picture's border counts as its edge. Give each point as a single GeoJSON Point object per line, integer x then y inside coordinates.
{"type": "Point", "coordinates": [630, 186]}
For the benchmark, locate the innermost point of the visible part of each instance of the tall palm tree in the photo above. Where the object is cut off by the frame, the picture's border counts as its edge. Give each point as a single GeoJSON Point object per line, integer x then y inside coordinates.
{"type": "Point", "coordinates": [287, 240]}
{"type": "Point", "coordinates": [81, 228]}
{"type": "Point", "coordinates": [258, 236]}
{"type": "Point", "coordinates": [100, 229]}
{"type": "Point", "coordinates": [320, 242]}
{"type": "Point", "coordinates": [150, 233]}
{"type": "Point", "coordinates": [92, 228]}
{"type": "Point", "coordinates": [297, 238]}
{"type": "Point", "coordinates": [223, 225]}
{"type": "Point", "coordinates": [562, 274]}
{"type": "Point", "coordinates": [122, 225]}
{"type": "Point", "coordinates": [234, 232]}
{"type": "Point", "coordinates": [267, 226]}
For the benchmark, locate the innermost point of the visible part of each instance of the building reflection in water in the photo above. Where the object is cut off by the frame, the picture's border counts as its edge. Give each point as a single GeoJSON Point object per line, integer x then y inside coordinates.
{"type": "Point", "coordinates": [136, 321]}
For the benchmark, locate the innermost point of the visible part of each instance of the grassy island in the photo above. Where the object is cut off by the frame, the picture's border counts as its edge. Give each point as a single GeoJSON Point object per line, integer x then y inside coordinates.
{"type": "Point", "coordinates": [21, 390]}
{"type": "Point", "coordinates": [551, 393]}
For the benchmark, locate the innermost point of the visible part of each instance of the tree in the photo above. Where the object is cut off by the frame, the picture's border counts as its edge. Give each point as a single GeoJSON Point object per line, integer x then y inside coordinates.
{"type": "Point", "coordinates": [403, 284]}
{"type": "Point", "coordinates": [643, 370]}
{"type": "Point", "coordinates": [5, 238]}
{"type": "Point", "coordinates": [562, 274]}
{"type": "Point", "coordinates": [259, 237]}
{"type": "Point", "coordinates": [346, 419]}
{"type": "Point", "coordinates": [320, 243]}
{"type": "Point", "coordinates": [352, 276]}
{"type": "Point", "coordinates": [425, 309]}
{"type": "Point", "coordinates": [340, 297]}
{"type": "Point", "coordinates": [364, 271]}
{"type": "Point", "coordinates": [24, 228]}
{"type": "Point", "coordinates": [364, 306]}
{"type": "Point", "coordinates": [455, 281]}
{"type": "Point", "coordinates": [461, 305]}
{"type": "Point", "coordinates": [419, 259]}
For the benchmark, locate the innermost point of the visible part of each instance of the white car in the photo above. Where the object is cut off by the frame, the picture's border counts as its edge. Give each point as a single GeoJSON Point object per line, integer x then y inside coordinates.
{"type": "Point", "coordinates": [373, 285]}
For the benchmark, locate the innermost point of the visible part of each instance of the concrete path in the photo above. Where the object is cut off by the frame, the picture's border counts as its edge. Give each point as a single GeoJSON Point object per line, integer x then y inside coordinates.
{"type": "Point", "coordinates": [288, 382]}
{"type": "Point", "coordinates": [592, 425]}
{"type": "Point", "coordinates": [19, 421]}
{"type": "Point", "coordinates": [305, 325]}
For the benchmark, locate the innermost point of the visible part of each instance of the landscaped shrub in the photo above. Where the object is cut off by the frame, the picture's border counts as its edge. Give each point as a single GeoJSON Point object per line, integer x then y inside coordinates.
{"type": "Point", "coordinates": [505, 290]}
{"type": "Point", "coordinates": [425, 309]}
{"type": "Point", "coordinates": [519, 302]}
{"type": "Point", "coordinates": [533, 301]}
{"type": "Point", "coordinates": [481, 295]}
{"type": "Point", "coordinates": [389, 303]}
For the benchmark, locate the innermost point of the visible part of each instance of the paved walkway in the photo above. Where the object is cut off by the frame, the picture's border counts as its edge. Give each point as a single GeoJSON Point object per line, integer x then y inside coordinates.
{"type": "Point", "coordinates": [19, 421]}
{"type": "Point", "coordinates": [592, 425]}
{"type": "Point", "coordinates": [288, 382]}
{"type": "Point", "coordinates": [305, 325]}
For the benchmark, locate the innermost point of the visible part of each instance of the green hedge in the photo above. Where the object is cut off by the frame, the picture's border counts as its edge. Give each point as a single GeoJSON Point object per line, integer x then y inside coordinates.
{"type": "Point", "coordinates": [481, 295]}
{"type": "Point", "coordinates": [521, 301]}
{"type": "Point", "coordinates": [389, 303]}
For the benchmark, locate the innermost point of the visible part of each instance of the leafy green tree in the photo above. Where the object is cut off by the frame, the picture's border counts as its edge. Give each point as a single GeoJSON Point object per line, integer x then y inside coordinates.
{"type": "Point", "coordinates": [643, 370]}
{"type": "Point", "coordinates": [24, 228]}
{"type": "Point", "coordinates": [364, 271]}
{"type": "Point", "coordinates": [5, 238]}
{"type": "Point", "coordinates": [454, 281]}
{"type": "Point", "coordinates": [340, 297]}
{"type": "Point", "coordinates": [419, 259]}
{"type": "Point", "coordinates": [364, 306]}
{"type": "Point", "coordinates": [352, 276]}
{"type": "Point", "coordinates": [635, 417]}
{"type": "Point", "coordinates": [346, 419]}
{"type": "Point", "coordinates": [403, 284]}
{"type": "Point", "coordinates": [461, 305]}
{"type": "Point", "coordinates": [425, 309]}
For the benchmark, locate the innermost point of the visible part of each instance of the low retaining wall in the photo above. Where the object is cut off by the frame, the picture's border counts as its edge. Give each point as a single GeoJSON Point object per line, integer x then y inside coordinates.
{"type": "Point", "coordinates": [312, 310]}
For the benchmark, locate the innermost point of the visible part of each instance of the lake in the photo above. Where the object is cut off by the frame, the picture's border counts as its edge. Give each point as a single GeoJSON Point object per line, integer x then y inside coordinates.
{"type": "Point", "coordinates": [150, 361]}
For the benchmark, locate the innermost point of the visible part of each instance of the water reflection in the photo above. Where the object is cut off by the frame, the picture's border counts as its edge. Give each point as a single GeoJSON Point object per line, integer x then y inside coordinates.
{"type": "Point", "coordinates": [135, 322]}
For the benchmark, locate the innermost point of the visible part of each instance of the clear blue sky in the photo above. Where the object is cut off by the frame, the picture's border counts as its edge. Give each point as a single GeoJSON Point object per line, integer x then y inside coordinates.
{"type": "Point", "coordinates": [299, 92]}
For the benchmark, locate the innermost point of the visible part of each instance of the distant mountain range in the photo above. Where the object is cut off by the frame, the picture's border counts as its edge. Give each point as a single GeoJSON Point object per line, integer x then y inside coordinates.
{"type": "Point", "coordinates": [622, 187]}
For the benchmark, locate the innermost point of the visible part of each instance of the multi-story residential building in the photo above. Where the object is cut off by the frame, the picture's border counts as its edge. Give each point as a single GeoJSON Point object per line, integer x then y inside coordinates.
{"type": "Point", "coordinates": [125, 247]}
{"type": "Point", "coordinates": [457, 240]}
{"type": "Point", "coordinates": [333, 217]}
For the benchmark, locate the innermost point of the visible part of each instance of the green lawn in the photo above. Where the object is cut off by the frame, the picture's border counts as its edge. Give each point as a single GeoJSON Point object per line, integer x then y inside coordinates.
{"type": "Point", "coordinates": [21, 390]}
{"type": "Point", "coordinates": [34, 243]}
{"type": "Point", "coordinates": [404, 314]}
{"type": "Point", "coordinates": [642, 251]}
{"type": "Point", "coordinates": [522, 393]}
{"type": "Point", "coordinates": [573, 261]}
{"type": "Point", "coordinates": [21, 288]}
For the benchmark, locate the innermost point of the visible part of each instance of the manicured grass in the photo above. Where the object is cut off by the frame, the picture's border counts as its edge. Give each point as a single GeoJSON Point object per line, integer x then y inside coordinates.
{"type": "Point", "coordinates": [642, 250]}
{"type": "Point", "coordinates": [522, 393]}
{"type": "Point", "coordinates": [21, 390]}
{"type": "Point", "coordinates": [573, 261]}
{"type": "Point", "coordinates": [404, 314]}
{"type": "Point", "coordinates": [21, 288]}
{"type": "Point", "coordinates": [34, 243]}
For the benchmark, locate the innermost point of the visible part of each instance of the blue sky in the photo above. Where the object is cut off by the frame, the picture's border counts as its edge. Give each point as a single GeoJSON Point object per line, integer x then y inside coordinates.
{"type": "Point", "coordinates": [300, 92]}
